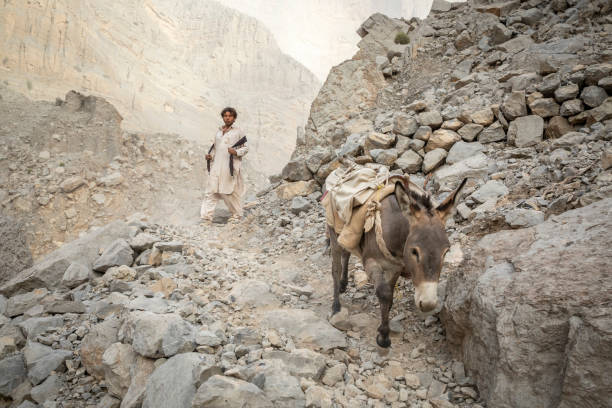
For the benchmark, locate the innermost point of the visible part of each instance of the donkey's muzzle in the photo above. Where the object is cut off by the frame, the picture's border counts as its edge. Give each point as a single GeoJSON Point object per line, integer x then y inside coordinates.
{"type": "Point", "coordinates": [426, 296]}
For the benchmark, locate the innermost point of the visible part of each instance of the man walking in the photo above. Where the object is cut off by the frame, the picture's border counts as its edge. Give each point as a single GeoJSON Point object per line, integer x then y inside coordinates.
{"type": "Point", "coordinates": [224, 161]}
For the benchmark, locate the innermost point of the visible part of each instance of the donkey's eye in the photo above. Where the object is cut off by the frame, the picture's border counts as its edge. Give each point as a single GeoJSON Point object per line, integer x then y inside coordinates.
{"type": "Point", "coordinates": [415, 253]}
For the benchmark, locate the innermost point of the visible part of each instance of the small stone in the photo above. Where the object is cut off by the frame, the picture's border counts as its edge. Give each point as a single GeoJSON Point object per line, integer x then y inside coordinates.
{"type": "Point", "coordinates": [377, 140]}
{"type": "Point", "coordinates": [409, 162]}
{"type": "Point", "coordinates": [557, 127]}
{"type": "Point", "coordinates": [545, 107]}
{"type": "Point", "coordinates": [463, 40]}
{"type": "Point", "coordinates": [13, 373]}
{"type": "Point", "coordinates": [523, 218]}
{"type": "Point", "coordinates": [317, 396]}
{"type": "Point", "coordinates": [566, 92]}
{"type": "Point", "coordinates": [71, 184]}
{"type": "Point", "coordinates": [606, 159]}
{"type": "Point", "coordinates": [433, 159]}
{"type": "Point", "coordinates": [453, 124]}
{"type": "Point", "coordinates": [433, 119]}
{"type": "Point", "coordinates": [492, 189]}
{"type": "Point", "coordinates": [514, 105]}
{"type": "Point", "coordinates": [384, 156]}
{"type": "Point", "coordinates": [606, 83]}
{"type": "Point", "coordinates": [117, 253]}
{"type": "Point", "coordinates": [470, 131]}
{"type": "Point", "coordinates": [593, 96]}
{"type": "Point", "coordinates": [418, 106]}
{"type": "Point", "coordinates": [48, 389]}
{"type": "Point", "coordinates": [412, 381]}
{"type": "Point", "coordinates": [299, 205]}
{"type": "Point", "coordinates": [341, 320]}
{"type": "Point", "coordinates": [526, 131]}
{"type": "Point", "coordinates": [494, 133]}
{"type": "Point", "coordinates": [75, 275]}
{"type": "Point", "coordinates": [483, 117]}
{"type": "Point", "coordinates": [594, 73]}
{"type": "Point", "coordinates": [571, 107]}
{"type": "Point", "coordinates": [442, 138]}
{"type": "Point", "coordinates": [334, 375]}
{"type": "Point", "coordinates": [113, 179]}
{"type": "Point", "coordinates": [405, 125]}
{"type": "Point", "coordinates": [462, 150]}
{"type": "Point", "coordinates": [423, 133]}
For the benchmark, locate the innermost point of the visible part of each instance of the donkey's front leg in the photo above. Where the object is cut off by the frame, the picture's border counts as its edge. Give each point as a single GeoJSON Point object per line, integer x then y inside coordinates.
{"type": "Point", "coordinates": [336, 255]}
{"type": "Point", "coordinates": [384, 282]}
{"type": "Point", "coordinates": [345, 264]}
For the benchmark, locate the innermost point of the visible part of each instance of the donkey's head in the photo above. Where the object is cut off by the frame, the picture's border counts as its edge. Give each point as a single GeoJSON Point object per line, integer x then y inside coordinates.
{"type": "Point", "coordinates": [427, 242]}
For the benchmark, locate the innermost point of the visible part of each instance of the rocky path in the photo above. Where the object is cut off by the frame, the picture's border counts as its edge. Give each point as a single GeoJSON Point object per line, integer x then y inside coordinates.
{"type": "Point", "coordinates": [246, 301]}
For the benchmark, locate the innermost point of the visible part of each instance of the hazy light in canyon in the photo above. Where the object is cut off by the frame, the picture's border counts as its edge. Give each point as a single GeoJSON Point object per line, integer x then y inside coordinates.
{"type": "Point", "coordinates": [322, 33]}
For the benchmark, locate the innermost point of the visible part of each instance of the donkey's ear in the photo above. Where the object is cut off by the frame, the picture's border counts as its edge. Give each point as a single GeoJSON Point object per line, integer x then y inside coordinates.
{"type": "Point", "coordinates": [407, 205]}
{"type": "Point", "coordinates": [445, 207]}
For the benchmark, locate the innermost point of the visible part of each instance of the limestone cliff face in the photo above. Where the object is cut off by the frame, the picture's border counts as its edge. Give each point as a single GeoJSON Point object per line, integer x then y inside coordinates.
{"type": "Point", "coordinates": [321, 33]}
{"type": "Point", "coordinates": [168, 66]}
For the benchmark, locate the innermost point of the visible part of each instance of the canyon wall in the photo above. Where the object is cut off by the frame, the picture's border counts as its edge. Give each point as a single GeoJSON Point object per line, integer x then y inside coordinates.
{"type": "Point", "coordinates": [321, 34]}
{"type": "Point", "coordinates": [167, 66]}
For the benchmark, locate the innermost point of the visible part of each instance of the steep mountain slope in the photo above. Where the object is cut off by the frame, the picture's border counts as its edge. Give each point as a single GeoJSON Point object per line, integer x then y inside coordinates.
{"type": "Point", "coordinates": [167, 66]}
{"type": "Point", "coordinates": [319, 33]}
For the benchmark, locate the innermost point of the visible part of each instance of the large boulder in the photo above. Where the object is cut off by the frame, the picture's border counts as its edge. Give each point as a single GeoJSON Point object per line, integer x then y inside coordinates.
{"type": "Point", "coordinates": [307, 329]}
{"type": "Point", "coordinates": [220, 392]}
{"type": "Point", "coordinates": [529, 312]}
{"type": "Point", "coordinates": [448, 177]}
{"type": "Point", "coordinates": [50, 270]}
{"type": "Point", "coordinates": [15, 255]}
{"type": "Point", "coordinates": [95, 343]}
{"type": "Point", "coordinates": [173, 384]}
{"type": "Point", "coordinates": [119, 252]}
{"type": "Point", "coordinates": [157, 335]}
{"type": "Point", "coordinates": [13, 371]}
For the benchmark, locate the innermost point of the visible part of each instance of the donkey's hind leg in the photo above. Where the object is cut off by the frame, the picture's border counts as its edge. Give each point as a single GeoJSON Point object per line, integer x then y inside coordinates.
{"type": "Point", "coordinates": [345, 264]}
{"type": "Point", "coordinates": [336, 255]}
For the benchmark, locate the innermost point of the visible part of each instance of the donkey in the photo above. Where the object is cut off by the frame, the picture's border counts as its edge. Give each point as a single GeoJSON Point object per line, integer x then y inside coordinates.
{"type": "Point", "coordinates": [414, 234]}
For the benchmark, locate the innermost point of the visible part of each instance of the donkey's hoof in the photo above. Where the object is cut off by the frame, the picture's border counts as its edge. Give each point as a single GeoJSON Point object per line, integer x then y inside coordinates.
{"type": "Point", "coordinates": [383, 341]}
{"type": "Point", "coordinates": [343, 285]}
{"type": "Point", "coordinates": [335, 308]}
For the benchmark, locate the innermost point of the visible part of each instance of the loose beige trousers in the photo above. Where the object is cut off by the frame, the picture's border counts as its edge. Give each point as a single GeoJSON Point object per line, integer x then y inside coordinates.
{"type": "Point", "coordinates": [233, 200]}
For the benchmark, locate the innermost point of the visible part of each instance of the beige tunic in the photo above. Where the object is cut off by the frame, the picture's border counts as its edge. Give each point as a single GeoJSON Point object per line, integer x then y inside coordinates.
{"type": "Point", "coordinates": [219, 180]}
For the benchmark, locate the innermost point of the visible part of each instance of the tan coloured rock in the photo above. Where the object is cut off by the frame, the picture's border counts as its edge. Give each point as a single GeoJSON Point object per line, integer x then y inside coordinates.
{"type": "Point", "coordinates": [442, 138]}
{"type": "Point", "coordinates": [557, 127]}
{"type": "Point", "coordinates": [95, 343]}
{"type": "Point", "coordinates": [165, 285]}
{"type": "Point", "coordinates": [71, 184]}
{"type": "Point", "coordinates": [544, 107]}
{"type": "Point", "coordinates": [299, 188]}
{"type": "Point", "coordinates": [483, 117]}
{"type": "Point", "coordinates": [117, 361]}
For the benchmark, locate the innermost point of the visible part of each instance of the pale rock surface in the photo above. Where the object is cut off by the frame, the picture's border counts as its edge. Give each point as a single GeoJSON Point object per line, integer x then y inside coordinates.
{"type": "Point", "coordinates": [172, 384]}
{"type": "Point", "coordinates": [307, 329]}
{"type": "Point", "coordinates": [462, 150]}
{"type": "Point", "coordinates": [566, 351]}
{"type": "Point", "coordinates": [526, 131]}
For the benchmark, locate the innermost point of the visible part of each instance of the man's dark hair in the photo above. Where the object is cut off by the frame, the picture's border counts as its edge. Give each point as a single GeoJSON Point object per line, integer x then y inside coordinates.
{"type": "Point", "coordinates": [230, 110]}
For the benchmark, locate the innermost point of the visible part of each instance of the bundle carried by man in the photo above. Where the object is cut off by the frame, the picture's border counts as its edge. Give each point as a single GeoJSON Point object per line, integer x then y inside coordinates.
{"type": "Point", "coordinates": [352, 201]}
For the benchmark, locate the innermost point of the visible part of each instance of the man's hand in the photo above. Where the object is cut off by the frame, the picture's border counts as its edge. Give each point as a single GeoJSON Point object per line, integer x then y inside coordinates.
{"type": "Point", "coordinates": [231, 150]}
{"type": "Point", "coordinates": [209, 157]}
